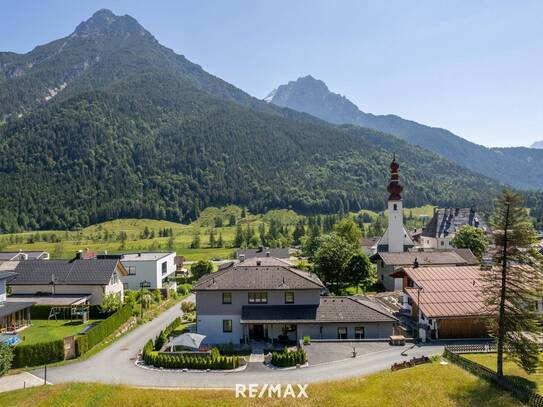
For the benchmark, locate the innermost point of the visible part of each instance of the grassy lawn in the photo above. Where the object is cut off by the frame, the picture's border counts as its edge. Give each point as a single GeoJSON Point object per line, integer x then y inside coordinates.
{"type": "Point", "coordinates": [510, 368]}
{"type": "Point", "coordinates": [43, 330]}
{"type": "Point", "coordinates": [426, 385]}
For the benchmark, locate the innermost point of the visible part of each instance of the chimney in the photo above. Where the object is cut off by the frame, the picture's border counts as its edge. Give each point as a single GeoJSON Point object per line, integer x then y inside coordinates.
{"type": "Point", "coordinates": [259, 262]}
{"type": "Point", "coordinates": [241, 258]}
{"type": "Point", "coordinates": [268, 253]}
{"type": "Point", "coordinates": [139, 254]}
{"type": "Point", "coordinates": [416, 263]}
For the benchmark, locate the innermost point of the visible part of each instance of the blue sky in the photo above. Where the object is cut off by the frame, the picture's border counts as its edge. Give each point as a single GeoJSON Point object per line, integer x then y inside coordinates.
{"type": "Point", "coordinates": [473, 67]}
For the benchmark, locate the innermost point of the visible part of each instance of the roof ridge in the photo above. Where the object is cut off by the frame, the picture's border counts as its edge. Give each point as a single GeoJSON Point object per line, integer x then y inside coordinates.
{"type": "Point", "coordinates": [295, 271]}
{"type": "Point", "coordinates": [371, 307]}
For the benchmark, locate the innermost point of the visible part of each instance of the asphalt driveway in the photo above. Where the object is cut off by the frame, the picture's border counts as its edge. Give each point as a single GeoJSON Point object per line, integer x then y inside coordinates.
{"type": "Point", "coordinates": [325, 352]}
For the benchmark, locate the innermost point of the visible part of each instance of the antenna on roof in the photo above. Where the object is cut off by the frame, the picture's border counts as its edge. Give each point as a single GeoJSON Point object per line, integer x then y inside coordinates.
{"type": "Point", "coordinates": [416, 263]}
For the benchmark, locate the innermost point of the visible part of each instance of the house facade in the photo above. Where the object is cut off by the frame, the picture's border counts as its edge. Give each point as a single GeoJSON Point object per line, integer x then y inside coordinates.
{"type": "Point", "coordinates": [268, 299]}
{"type": "Point", "coordinates": [78, 281]}
{"type": "Point", "coordinates": [154, 267]}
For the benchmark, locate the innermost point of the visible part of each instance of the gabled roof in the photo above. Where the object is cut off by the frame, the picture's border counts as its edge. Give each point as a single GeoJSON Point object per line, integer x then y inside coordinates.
{"type": "Point", "coordinates": [264, 273]}
{"type": "Point", "coordinates": [447, 291]}
{"type": "Point", "coordinates": [84, 272]}
{"type": "Point", "coordinates": [424, 258]}
{"type": "Point", "coordinates": [35, 255]}
{"type": "Point", "coordinates": [446, 221]}
{"type": "Point", "coordinates": [329, 310]}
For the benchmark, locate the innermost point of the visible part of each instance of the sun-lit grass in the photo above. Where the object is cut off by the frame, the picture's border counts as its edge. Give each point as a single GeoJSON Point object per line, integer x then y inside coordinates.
{"type": "Point", "coordinates": [426, 385]}
{"type": "Point", "coordinates": [105, 236]}
{"type": "Point", "coordinates": [43, 330]}
{"type": "Point", "coordinates": [510, 368]}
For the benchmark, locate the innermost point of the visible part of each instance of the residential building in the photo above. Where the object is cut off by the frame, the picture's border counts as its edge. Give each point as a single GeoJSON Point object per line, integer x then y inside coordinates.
{"type": "Point", "coordinates": [154, 267]}
{"type": "Point", "coordinates": [278, 253]}
{"type": "Point", "coordinates": [268, 299]}
{"type": "Point", "coordinates": [369, 245]}
{"type": "Point", "coordinates": [13, 315]}
{"type": "Point", "coordinates": [446, 302]}
{"type": "Point", "coordinates": [20, 255]}
{"type": "Point", "coordinates": [441, 229]}
{"type": "Point", "coordinates": [389, 263]}
{"type": "Point", "coordinates": [62, 282]}
{"type": "Point", "coordinates": [396, 239]}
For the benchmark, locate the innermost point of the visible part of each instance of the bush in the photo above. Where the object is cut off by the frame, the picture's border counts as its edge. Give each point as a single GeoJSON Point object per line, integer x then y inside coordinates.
{"type": "Point", "coordinates": [6, 357]}
{"type": "Point", "coordinates": [287, 359]}
{"type": "Point", "coordinates": [188, 307]}
{"type": "Point", "coordinates": [38, 353]}
{"type": "Point", "coordinates": [184, 289]}
{"type": "Point", "coordinates": [214, 360]}
{"type": "Point", "coordinates": [102, 330]}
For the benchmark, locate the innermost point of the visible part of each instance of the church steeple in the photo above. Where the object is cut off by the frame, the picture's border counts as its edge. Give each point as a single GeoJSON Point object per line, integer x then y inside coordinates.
{"type": "Point", "coordinates": [394, 187]}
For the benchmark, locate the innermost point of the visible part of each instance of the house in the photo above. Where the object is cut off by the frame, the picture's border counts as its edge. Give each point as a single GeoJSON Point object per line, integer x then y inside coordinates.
{"type": "Point", "coordinates": [62, 282]}
{"type": "Point", "coordinates": [396, 239]}
{"type": "Point", "coordinates": [369, 245]}
{"type": "Point", "coordinates": [13, 315]}
{"type": "Point", "coordinates": [387, 263]}
{"type": "Point", "coordinates": [278, 253]}
{"type": "Point", "coordinates": [20, 255]}
{"type": "Point", "coordinates": [154, 267]}
{"type": "Point", "coordinates": [268, 299]}
{"type": "Point", "coordinates": [440, 230]}
{"type": "Point", "coordinates": [447, 302]}
{"type": "Point", "coordinates": [179, 262]}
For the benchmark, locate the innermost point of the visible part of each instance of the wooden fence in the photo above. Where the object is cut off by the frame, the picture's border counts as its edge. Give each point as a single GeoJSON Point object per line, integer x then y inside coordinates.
{"type": "Point", "coordinates": [517, 389]}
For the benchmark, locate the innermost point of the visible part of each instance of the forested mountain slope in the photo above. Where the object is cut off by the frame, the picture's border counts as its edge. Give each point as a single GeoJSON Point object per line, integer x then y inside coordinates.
{"type": "Point", "coordinates": [519, 167]}
{"type": "Point", "coordinates": [133, 135]}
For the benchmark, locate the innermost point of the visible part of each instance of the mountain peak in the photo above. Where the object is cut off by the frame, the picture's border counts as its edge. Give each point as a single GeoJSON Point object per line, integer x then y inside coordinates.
{"type": "Point", "coordinates": [105, 22]}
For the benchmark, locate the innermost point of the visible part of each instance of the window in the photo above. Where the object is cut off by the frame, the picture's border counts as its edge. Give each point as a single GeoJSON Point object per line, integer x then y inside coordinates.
{"type": "Point", "coordinates": [395, 207]}
{"type": "Point", "coordinates": [359, 332]}
{"type": "Point", "coordinates": [258, 298]}
{"type": "Point", "coordinates": [227, 325]}
{"type": "Point", "coordinates": [227, 298]}
{"type": "Point", "coordinates": [164, 268]}
{"type": "Point", "coordinates": [289, 297]}
{"type": "Point", "coordinates": [131, 270]}
{"type": "Point", "coordinates": [114, 278]}
{"type": "Point", "coordinates": [342, 333]}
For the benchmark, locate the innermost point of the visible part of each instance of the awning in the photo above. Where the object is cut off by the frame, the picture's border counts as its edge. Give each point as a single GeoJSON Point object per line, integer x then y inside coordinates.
{"type": "Point", "coordinates": [9, 308]}
{"type": "Point", "coordinates": [57, 300]}
{"type": "Point", "coordinates": [278, 314]}
{"type": "Point", "coordinates": [189, 340]}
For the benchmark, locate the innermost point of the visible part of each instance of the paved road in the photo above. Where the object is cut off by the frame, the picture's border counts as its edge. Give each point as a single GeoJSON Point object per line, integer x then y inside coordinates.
{"type": "Point", "coordinates": [115, 365]}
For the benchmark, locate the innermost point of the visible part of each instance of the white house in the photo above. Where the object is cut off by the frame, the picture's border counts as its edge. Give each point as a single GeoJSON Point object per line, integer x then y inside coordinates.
{"type": "Point", "coordinates": [154, 267]}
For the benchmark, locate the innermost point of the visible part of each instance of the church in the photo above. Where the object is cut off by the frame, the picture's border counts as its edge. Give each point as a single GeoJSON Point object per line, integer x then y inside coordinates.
{"type": "Point", "coordinates": [397, 248]}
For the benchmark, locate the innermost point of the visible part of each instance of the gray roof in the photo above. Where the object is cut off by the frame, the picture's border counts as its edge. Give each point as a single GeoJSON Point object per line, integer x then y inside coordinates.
{"type": "Point", "coordinates": [57, 299]}
{"type": "Point", "coordinates": [424, 258]}
{"type": "Point", "coordinates": [9, 308]}
{"type": "Point", "coordinates": [16, 255]}
{"type": "Point", "coordinates": [4, 275]}
{"type": "Point", "coordinates": [269, 274]}
{"type": "Point", "coordinates": [85, 272]}
{"type": "Point", "coordinates": [262, 251]}
{"type": "Point", "coordinates": [145, 256]}
{"type": "Point", "coordinates": [446, 221]}
{"type": "Point", "coordinates": [330, 310]}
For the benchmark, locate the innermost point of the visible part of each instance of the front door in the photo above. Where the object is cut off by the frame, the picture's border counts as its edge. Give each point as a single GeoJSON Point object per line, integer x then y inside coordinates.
{"type": "Point", "coordinates": [258, 332]}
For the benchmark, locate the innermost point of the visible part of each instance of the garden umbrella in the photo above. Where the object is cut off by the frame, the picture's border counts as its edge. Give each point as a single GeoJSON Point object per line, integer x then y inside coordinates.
{"type": "Point", "coordinates": [189, 340]}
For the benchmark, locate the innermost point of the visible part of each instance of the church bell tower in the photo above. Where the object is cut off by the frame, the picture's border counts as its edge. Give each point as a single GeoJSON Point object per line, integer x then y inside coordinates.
{"type": "Point", "coordinates": [396, 231]}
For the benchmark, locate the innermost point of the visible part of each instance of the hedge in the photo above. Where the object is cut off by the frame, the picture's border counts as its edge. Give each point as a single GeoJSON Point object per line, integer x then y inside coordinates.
{"type": "Point", "coordinates": [286, 358]}
{"type": "Point", "coordinates": [163, 336]}
{"type": "Point", "coordinates": [99, 332]}
{"type": "Point", "coordinates": [38, 353]}
{"type": "Point", "coordinates": [213, 361]}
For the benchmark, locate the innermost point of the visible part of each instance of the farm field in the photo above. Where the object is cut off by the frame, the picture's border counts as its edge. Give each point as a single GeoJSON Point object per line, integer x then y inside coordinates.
{"type": "Point", "coordinates": [425, 385]}
{"type": "Point", "coordinates": [129, 235]}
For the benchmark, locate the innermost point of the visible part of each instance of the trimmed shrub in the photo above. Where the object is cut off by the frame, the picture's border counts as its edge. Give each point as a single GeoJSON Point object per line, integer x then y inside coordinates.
{"type": "Point", "coordinates": [213, 361]}
{"type": "Point", "coordinates": [102, 330]}
{"type": "Point", "coordinates": [38, 353]}
{"type": "Point", "coordinates": [288, 359]}
{"type": "Point", "coordinates": [6, 357]}
{"type": "Point", "coordinates": [184, 289]}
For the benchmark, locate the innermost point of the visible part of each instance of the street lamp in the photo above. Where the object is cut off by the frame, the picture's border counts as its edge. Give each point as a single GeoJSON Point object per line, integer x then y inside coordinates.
{"type": "Point", "coordinates": [143, 284]}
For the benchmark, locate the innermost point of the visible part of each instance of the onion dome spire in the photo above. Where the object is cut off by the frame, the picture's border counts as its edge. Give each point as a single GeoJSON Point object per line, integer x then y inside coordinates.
{"type": "Point", "coordinates": [394, 187]}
